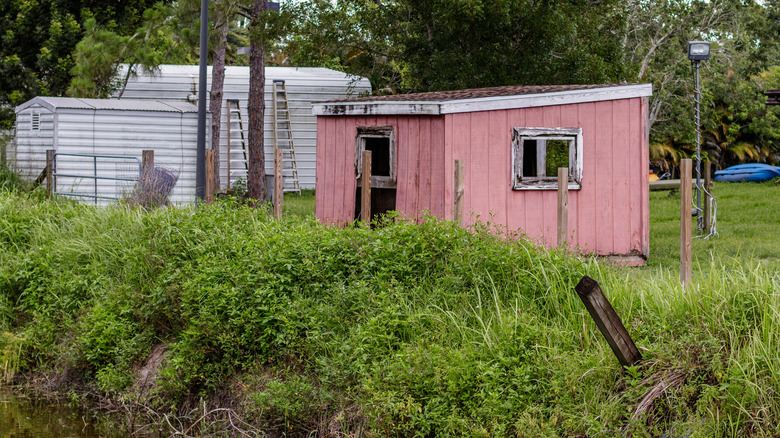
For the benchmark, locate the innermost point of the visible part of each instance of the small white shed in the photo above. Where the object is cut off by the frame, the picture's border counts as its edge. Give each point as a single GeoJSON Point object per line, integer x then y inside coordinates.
{"type": "Point", "coordinates": [304, 86]}
{"type": "Point", "coordinates": [79, 128]}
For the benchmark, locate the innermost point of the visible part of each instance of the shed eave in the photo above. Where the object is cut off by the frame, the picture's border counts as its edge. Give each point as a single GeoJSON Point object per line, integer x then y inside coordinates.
{"type": "Point", "coordinates": [383, 108]}
{"type": "Point", "coordinates": [42, 102]}
{"type": "Point", "coordinates": [546, 99]}
{"type": "Point", "coordinates": [389, 107]}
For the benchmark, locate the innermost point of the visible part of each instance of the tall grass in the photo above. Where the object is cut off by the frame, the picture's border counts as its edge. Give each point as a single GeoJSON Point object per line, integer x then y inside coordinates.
{"type": "Point", "coordinates": [405, 329]}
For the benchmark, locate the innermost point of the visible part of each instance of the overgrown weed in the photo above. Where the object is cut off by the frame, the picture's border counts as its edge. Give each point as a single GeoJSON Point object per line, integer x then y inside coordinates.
{"type": "Point", "coordinates": [405, 329]}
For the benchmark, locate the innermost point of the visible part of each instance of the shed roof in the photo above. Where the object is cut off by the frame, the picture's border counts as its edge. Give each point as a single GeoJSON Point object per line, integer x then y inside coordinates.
{"type": "Point", "coordinates": [481, 99]}
{"type": "Point", "coordinates": [303, 76]}
{"type": "Point", "coordinates": [53, 103]}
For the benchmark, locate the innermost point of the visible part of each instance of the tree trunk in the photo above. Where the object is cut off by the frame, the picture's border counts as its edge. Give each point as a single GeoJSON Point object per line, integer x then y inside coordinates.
{"type": "Point", "coordinates": [217, 87]}
{"type": "Point", "coordinates": [255, 183]}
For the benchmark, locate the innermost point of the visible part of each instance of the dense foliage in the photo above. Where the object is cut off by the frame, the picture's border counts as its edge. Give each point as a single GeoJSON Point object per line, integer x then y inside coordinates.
{"type": "Point", "coordinates": [399, 330]}
{"type": "Point", "coordinates": [37, 40]}
{"type": "Point", "coordinates": [413, 45]}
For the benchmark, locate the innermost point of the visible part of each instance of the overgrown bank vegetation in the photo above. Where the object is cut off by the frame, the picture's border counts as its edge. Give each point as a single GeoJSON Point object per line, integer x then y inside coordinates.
{"type": "Point", "coordinates": [401, 330]}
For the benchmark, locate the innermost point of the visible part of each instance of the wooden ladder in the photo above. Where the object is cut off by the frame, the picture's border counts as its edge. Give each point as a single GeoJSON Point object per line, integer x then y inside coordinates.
{"type": "Point", "coordinates": [237, 166]}
{"type": "Point", "coordinates": [283, 137]}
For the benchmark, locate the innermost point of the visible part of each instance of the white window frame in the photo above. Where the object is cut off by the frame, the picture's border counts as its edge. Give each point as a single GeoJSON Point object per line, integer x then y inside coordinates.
{"type": "Point", "coordinates": [364, 132]}
{"type": "Point", "coordinates": [540, 135]}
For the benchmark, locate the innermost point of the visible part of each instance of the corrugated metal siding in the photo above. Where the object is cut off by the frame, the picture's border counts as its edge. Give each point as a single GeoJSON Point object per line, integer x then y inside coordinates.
{"type": "Point", "coordinates": [171, 135]}
{"type": "Point", "coordinates": [304, 86]}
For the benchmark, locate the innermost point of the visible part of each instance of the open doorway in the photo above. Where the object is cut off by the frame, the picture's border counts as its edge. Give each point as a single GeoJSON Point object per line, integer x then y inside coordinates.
{"type": "Point", "coordinates": [380, 140]}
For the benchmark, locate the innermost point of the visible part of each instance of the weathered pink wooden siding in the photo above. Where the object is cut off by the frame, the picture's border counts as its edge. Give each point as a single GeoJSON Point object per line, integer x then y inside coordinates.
{"type": "Point", "coordinates": [609, 215]}
{"type": "Point", "coordinates": [419, 159]}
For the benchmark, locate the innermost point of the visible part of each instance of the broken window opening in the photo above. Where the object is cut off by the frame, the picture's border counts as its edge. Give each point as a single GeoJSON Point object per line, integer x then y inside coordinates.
{"type": "Point", "coordinates": [380, 141]}
{"type": "Point", "coordinates": [537, 153]}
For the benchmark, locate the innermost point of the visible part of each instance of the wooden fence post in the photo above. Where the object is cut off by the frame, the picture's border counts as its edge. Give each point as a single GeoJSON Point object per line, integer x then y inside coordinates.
{"type": "Point", "coordinates": [563, 205]}
{"type": "Point", "coordinates": [707, 205]}
{"type": "Point", "coordinates": [608, 321]}
{"type": "Point", "coordinates": [365, 188]}
{"type": "Point", "coordinates": [686, 198]}
{"type": "Point", "coordinates": [460, 174]}
{"type": "Point", "coordinates": [147, 161]}
{"type": "Point", "coordinates": [278, 182]}
{"type": "Point", "coordinates": [209, 176]}
{"type": "Point", "coordinates": [49, 173]}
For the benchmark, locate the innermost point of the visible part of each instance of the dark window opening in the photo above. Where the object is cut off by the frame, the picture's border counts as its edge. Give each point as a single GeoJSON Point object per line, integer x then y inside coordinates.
{"type": "Point", "coordinates": [529, 157]}
{"type": "Point", "coordinates": [380, 155]}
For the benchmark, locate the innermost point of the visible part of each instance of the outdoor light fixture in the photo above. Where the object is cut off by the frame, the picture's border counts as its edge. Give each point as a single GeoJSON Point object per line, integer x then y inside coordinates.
{"type": "Point", "coordinates": [698, 50]}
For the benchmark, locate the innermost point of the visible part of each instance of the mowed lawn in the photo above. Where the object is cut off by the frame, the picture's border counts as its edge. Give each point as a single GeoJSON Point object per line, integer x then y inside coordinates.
{"type": "Point", "coordinates": [747, 225]}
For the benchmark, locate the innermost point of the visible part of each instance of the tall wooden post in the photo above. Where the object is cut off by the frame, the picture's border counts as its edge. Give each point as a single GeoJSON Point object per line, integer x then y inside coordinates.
{"type": "Point", "coordinates": [460, 173]}
{"type": "Point", "coordinates": [365, 188]}
{"type": "Point", "coordinates": [563, 205]}
{"type": "Point", "coordinates": [209, 176]}
{"type": "Point", "coordinates": [278, 183]}
{"type": "Point", "coordinates": [686, 198]}
{"type": "Point", "coordinates": [49, 173]}
{"type": "Point", "coordinates": [707, 200]}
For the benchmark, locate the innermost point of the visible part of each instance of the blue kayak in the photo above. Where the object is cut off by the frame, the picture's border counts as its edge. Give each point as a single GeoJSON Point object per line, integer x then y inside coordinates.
{"type": "Point", "coordinates": [748, 172]}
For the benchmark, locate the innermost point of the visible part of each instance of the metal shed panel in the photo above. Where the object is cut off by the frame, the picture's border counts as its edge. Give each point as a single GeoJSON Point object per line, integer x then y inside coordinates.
{"type": "Point", "coordinates": [31, 144]}
{"type": "Point", "coordinates": [125, 128]}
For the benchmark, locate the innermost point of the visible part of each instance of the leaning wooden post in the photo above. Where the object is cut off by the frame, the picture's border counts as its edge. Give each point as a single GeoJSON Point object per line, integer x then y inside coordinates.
{"type": "Point", "coordinates": [563, 205]}
{"type": "Point", "coordinates": [365, 188]}
{"type": "Point", "coordinates": [278, 182]}
{"type": "Point", "coordinates": [49, 172]}
{"type": "Point", "coordinates": [209, 176]}
{"type": "Point", "coordinates": [460, 174]}
{"type": "Point", "coordinates": [608, 321]}
{"type": "Point", "coordinates": [686, 198]}
{"type": "Point", "coordinates": [707, 205]}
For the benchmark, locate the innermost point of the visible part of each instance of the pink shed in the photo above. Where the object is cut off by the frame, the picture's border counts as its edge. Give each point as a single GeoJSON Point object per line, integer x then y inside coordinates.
{"type": "Point", "coordinates": [509, 139]}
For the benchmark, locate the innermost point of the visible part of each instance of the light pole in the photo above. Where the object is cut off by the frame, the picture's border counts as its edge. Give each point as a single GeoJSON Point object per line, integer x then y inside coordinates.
{"type": "Point", "coordinates": [698, 51]}
{"type": "Point", "coordinates": [200, 150]}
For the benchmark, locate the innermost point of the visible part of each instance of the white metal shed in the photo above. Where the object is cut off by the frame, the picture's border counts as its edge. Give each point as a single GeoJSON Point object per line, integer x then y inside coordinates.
{"type": "Point", "coordinates": [304, 86]}
{"type": "Point", "coordinates": [75, 127]}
